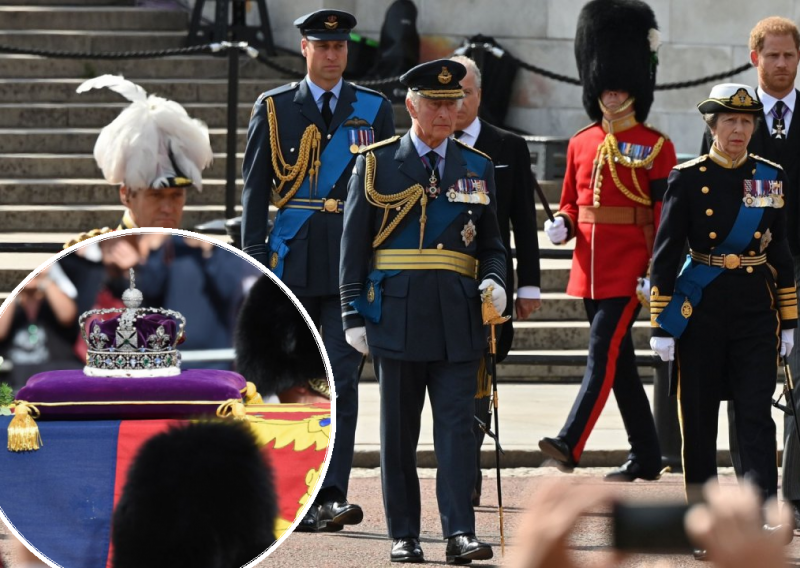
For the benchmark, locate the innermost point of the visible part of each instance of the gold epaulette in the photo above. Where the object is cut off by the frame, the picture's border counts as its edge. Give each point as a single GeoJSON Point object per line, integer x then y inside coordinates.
{"type": "Point", "coordinates": [587, 127]}
{"type": "Point", "coordinates": [787, 303]}
{"type": "Point", "coordinates": [386, 142]}
{"type": "Point", "coordinates": [690, 163]}
{"type": "Point", "coordinates": [468, 147]}
{"type": "Point", "coordinates": [657, 304]}
{"type": "Point", "coordinates": [656, 130]}
{"type": "Point", "coordinates": [770, 162]}
{"type": "Point", "coordinates": [88, 235]}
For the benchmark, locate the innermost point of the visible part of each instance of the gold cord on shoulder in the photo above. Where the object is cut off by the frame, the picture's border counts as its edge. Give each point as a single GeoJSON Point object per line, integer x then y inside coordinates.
{"type": "Point", "coordinates": [405, 201]}
{"type": "Point", "coordinates": [608, 153]}
{"type": "Point", "coordinates": [308, 159]}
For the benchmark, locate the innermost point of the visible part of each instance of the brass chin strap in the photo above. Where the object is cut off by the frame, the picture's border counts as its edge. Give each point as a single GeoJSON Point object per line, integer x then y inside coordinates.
{"type": "Point", "coordinates": [308, 159]}
{"type": "Point", "coordinates": [405, 200]}
{"type": "Point", "coordinates": [622, 109]}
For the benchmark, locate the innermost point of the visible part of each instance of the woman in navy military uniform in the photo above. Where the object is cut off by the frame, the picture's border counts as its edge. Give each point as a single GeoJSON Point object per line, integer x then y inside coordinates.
{"type": "Point", "coordinates": [731, 312]}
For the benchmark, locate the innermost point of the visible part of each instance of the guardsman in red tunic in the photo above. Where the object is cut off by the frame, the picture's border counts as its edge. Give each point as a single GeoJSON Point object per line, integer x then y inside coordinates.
{"type": "Point", "coordinates": [616, 176]}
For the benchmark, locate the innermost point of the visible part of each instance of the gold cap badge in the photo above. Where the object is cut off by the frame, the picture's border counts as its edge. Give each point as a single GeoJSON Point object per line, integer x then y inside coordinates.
{"type": "Point", "coordinates": [445, 76]}
{"type": "Point", "coordinates": [331, 24]}
{"type": "Point", "coordinates": [741, 99]}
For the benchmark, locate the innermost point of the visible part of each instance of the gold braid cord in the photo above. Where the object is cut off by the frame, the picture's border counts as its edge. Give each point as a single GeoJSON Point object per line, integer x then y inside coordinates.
{"type": "Point", "coordinates": [405, 200]}
{"type": "Point", "coordinates": [307, 159]}
{"type": "Point", "coordinates": [609, 153]}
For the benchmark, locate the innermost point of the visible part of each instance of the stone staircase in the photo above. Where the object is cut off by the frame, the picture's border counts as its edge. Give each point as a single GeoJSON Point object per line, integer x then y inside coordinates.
{"type": "Point", "coordinates": [51, 189]}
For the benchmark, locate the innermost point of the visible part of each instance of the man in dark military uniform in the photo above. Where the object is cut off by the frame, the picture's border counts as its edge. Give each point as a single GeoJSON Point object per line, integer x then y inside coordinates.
{"type": "Point", "coordinates": [421, 216]}
{"type": "Point", "coordinates": [615, 180]}
{"type": "Point", "coordinates": [733, 309]}
{"type": "Point", "coordinates": [301, 146]}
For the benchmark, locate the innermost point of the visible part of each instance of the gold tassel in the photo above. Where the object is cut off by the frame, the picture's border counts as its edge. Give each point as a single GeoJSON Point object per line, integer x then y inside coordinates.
{"type": "Point", "coordinates": [484, 381]}
{"type": "Point", "coordinates": [233, 408]}
{"type": "Point", "coordinates": [251, 395]}
{"type": "Point", "coordinates": [23, 433]}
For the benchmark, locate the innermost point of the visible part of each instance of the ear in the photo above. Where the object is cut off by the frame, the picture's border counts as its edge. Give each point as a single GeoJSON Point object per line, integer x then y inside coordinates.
{"type": "Point", "coordinates": [410, 108]}
{"type": "Point", "coordinates": [754, 58]}
{"type": "Point", "coordinates": [303, 44]}
{"type": "Point", "coordinates": [123, 195]}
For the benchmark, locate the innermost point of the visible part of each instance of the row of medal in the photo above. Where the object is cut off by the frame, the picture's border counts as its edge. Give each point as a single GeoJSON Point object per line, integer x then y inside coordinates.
{"type": "Point", "coordinates": [360, 138]}
{"type": "Point", "coordinates": [634, 152]}
{"type": "Point", "coordinates": [763, 193]}
{"type": "Point", "coordinates": [469, 190]}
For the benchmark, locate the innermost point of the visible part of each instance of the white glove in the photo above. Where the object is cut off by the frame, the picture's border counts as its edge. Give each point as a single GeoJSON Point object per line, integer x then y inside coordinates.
{"type": "Point", "coordinates": [787, 342]}
{"type": "Point", "coordinates": [664, 347]}
{"type": "Point", "coordinates": [357, 339]}
{"type": "Point", "coordinates": [556, 230]}
{"type": "Point", "coordinates": [643, 287]}
{"type": "Point", "coordinates": [498, 294]}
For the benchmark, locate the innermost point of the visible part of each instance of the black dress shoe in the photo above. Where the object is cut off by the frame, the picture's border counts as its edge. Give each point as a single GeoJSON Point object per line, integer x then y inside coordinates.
{"type": "Point", "coordinates": [333, 515]}
{"type": "Point", "coordinates": [700, 554]}
{"type": "Point", "coordinates": [775, 531]}
{"type": "Point", "coordinates": [464, 548]}
{"type": "Point", "coordinates": [631, 470]}
{"type": "Point", "coordinates": [406, 550]}
{"type": "Point", "coordinates": [309, 522]}
{"type": "Point", "coordinates": [558, 450]}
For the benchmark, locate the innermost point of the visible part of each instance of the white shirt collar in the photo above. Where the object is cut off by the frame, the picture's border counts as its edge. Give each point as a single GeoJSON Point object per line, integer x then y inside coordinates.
{"type": "Point", "coordinates": [769, 101]}
{"type": "Point", "coordinates": [423, 148]}
{"type": "Point", "coordinates": [471, 132]}
{"type": "Point", "coordinates": [317, 91]}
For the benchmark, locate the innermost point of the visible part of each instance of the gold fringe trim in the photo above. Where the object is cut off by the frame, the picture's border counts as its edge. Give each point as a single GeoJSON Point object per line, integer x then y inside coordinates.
{"type": "Point", "coordinates": [23, 433]}
{"type": "Point", "coordinates": [484, 381]}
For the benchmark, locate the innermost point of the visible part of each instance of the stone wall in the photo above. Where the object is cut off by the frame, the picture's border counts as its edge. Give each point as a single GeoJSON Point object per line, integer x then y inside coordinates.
{"type": "Point", "coordinates": [699, 38]}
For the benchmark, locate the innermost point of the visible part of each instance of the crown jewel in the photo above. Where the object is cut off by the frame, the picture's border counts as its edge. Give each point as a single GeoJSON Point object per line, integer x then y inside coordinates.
{"type": "Point", "coordinates": [135, 342]}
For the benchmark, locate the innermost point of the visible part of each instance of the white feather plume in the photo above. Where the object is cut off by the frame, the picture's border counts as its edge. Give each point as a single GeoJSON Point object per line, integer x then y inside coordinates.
{"type": "Point", "coordinates": [134, 150]}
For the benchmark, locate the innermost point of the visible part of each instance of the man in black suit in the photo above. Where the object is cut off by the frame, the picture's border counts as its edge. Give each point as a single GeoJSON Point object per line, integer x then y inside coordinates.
{"type": "Point", "coordinates": [515, 182]}
{"type": "Point", "coordinates": [775, 53]}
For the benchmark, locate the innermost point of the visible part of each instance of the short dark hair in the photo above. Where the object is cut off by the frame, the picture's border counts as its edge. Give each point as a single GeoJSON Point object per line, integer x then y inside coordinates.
{"type": "Point", "coordinates": [200, 495]}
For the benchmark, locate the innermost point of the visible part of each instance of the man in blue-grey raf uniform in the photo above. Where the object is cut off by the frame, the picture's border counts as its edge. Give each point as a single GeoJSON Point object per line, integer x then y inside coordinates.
{"type": "Point", "coordinates": [301, 146]}
{"type": "Point", "coordinates": [420, 243]}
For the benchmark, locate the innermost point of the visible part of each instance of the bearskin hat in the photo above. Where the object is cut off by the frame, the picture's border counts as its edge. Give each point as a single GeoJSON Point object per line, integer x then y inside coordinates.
{"type": "Point", "coordinates": [616, 49]}
{"type": "Point", "coordinates": [200, 495]}
{"type": "Point", "coordinates": [275, 347]}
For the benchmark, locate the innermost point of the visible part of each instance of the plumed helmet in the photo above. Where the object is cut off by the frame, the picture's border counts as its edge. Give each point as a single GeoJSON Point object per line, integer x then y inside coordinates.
{"type": "Point", "coordinates": [200, 495]}
{"type": "Point", "coordinates": [153, 143]}
{"type": "Point", "coordinates": [275, 347]}
{"type": "Point", "coordinates": [616, 47]}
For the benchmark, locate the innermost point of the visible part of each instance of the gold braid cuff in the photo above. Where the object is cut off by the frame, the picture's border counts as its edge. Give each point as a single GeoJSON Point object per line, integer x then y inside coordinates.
{"type": "Point", "coordinates": [608, 153]}
{"type": "Point", "coordinates": [405, 200]}
{"type": "Point", "coordinates": [308, 160]}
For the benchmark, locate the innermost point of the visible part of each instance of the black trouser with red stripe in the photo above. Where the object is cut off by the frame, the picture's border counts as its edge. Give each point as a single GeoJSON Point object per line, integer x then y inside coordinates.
{"type": "Point", "coordinates": [612, 364]}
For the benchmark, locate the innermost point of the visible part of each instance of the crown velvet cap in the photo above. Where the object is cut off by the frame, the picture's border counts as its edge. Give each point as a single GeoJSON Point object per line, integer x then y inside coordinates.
{"type": "Point", "coordinates": [439, 79]}
{"type": "Point", "coordinates": [326, 25]}
{"type": "Point", "coordinates": [731, 97]}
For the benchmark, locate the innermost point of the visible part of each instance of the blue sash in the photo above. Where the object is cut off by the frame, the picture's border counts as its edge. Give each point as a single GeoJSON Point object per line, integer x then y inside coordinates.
{"type": "Point", "coordinates": [693, 278]}
{"type": "Point", "coordinates": [441, 213]}
{"type": "Point", "coordinates": [335, 158]}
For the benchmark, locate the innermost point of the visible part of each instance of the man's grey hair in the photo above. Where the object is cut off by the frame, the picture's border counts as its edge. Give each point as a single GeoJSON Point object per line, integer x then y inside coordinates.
{"type": "Point", "coordinates": [414, 97]}
{"type": "Point", "coordinates": [470, 65]}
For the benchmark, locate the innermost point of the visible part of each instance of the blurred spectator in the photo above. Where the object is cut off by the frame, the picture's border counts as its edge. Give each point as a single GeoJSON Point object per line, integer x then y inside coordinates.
{"type": "Point", "coordinates": [197, 496]}
{"type": "Point", "coordinates": [38, 328]}
{"type": "Point", "coordinates": [202, 281]}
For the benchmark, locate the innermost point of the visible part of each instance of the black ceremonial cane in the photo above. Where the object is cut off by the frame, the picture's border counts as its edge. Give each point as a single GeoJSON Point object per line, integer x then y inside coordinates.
{"type": "Point", "coordinates": [492, 317]}
{"type": "Point", "coordinates": [542, 198]}
{"type": "Point", "coordinates": [788, 387]}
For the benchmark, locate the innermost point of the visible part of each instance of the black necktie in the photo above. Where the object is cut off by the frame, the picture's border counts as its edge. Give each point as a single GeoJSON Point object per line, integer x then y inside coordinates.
{"type": "Point", "coordinates": [327, 113]}
{"type": "Point", "coordinates": [458, 134]}
{"type": "Point", "coordinates": [778, 125]}
{"type": "Point", "coordinates": [431, 161]}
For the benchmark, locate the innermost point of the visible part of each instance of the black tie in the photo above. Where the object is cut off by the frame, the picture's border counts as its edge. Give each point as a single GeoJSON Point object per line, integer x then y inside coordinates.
{"type": "Point", "coordinates": [431, 161]}
{"type": "Point", "coordinates": [458, 134]}
{"type": "Point", "coordinates": [327, 113]}
{"type": "Point", "coordinates": [778, 125]}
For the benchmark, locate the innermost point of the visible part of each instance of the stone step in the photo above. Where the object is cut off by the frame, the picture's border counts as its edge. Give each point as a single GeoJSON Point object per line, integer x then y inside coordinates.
{"type": "Point", "coordinates": [176, 67]}
{"type": "Point", "coordinates": [97, 115]}
{"type": "Point", "coordinates": [48, 3]}
{"type": "Point", "coordinates": [557, 335]}
{"type": "Point", "coordinates": [94, 42]}
{"type": "Point", "coordinates": [61, 191]}
{"type": "Point", "coordinates": [514, 373]}
{"type": "Point", "coordinates": [78, 165]}
{"type": "Point", "coordinates": [91, 18]}
{"type": "Point", "coordinates": [76, 219]}
{"type": "Point", "coordinates": [72, 140]}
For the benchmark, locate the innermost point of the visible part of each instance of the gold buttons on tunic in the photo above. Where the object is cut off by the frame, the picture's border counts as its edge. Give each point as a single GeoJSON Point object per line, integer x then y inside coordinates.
{"type": "Point", "coordinates": [703, 168]}
{"type": "Point", "coordinates": [752, 253]}
{"type": "Point", "coordinates": [757, 235]}
{"type": "Point", "coordinates": [749, 269]}
{"type": "Point", "coordinates": [712, 235]}
{"type": "Point", "coordinates": [705, 189]}
{"type": "Point", "coordinates": [754, 171]}
{"type": "Point", "coordinates": [709, 212]}
{"type": "Point", "coordinates": [440, 246]}
{"type": "Point", "coordinates": [597, 204]}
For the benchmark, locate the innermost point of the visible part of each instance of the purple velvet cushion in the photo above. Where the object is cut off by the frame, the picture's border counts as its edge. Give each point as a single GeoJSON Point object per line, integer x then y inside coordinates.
{"type": "Point", "coordinates": [145, 327]}
{"type": "Point", "coordinates": [209, 385]}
